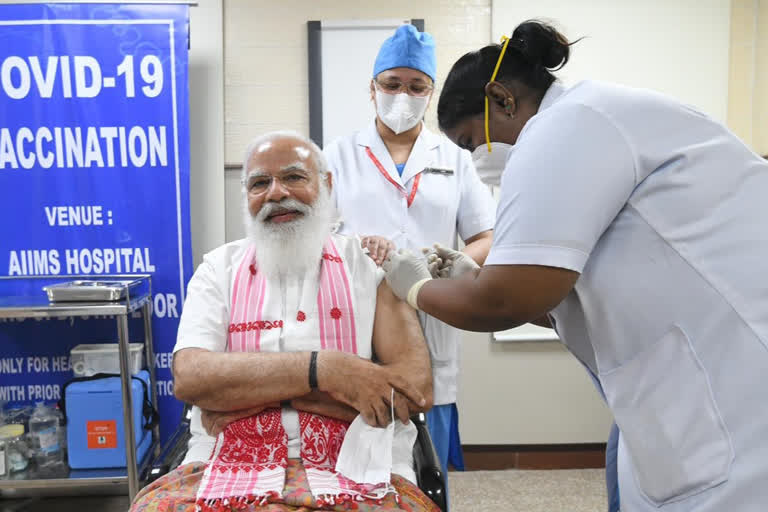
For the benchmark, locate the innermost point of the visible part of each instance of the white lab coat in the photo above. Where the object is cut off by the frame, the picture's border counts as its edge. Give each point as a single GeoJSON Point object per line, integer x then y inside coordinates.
{"type": "Point", "coordinates": [444, 206]}
{"type": "Point", "coordinates": [663, 211]}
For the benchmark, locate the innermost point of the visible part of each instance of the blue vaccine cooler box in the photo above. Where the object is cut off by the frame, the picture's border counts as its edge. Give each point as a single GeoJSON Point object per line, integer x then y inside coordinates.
{"type": "Point", "coordinates": [95, 428]}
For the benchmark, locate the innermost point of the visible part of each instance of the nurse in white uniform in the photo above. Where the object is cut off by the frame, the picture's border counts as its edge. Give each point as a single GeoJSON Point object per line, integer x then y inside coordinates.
{"type": "Point", "coordinates": [396, 182]}
{"type": "Point", "coordinates": [640, 227]}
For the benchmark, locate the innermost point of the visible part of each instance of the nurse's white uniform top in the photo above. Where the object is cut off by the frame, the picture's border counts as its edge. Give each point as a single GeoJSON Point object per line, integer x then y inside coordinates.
{"type": "Point", "coordinates": [443, 206]}
{"type": "Point", "coordinates": [665, 214]}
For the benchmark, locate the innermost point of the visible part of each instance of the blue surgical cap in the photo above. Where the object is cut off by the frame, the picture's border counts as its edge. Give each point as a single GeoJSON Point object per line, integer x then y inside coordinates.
{"type": "Point", "coordinates": [407, 48]}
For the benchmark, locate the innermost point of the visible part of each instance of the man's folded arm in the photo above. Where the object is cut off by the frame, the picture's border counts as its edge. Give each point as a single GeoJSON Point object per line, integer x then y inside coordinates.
{"type": "Point", "coordinates": [214, 380]}
{"type": "Point", "coordinates": [225, 381]}
{"type": "Point", "coordinates": [207, 376]}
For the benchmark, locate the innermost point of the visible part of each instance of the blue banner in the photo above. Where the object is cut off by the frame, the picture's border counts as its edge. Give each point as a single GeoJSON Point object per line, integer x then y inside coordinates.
{"type": "Point", "coordinates": [94, 175]}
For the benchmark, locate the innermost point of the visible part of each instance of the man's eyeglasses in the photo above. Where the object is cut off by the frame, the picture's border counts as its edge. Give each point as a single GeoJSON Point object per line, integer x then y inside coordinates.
{"type": "Point", "coordinates": [413, 88]}
{"type": "Point", "coordinates": [259, 183]}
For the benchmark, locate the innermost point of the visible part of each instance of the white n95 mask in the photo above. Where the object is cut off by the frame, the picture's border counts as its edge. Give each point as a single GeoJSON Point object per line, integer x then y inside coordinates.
{"type": "Point", "coordinates": [400, 112]}
{"type": "Point", "coordinates": [366, 453]}
{"type": "Point", "coordinates": [490, 166]}
{"type": "Point", "coordinates": [366, 457]}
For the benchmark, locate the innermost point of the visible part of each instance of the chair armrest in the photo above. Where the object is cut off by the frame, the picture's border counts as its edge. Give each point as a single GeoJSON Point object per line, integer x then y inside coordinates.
{"type": "Point", "coordinates": [429, 474]}
{"type": "Point", "coordinates": [174, 450]}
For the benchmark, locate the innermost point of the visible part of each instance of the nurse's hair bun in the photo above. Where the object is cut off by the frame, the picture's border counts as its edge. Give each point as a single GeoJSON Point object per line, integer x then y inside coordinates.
{"type": "Point", "coordinates": [541, 44]}
{"type": "Point", "coordinates": [534, 50]}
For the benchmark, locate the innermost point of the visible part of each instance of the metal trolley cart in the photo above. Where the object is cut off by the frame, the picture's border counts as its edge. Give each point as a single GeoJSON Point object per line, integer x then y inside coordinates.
{"type": "Point", "coordinates": [120, 297]}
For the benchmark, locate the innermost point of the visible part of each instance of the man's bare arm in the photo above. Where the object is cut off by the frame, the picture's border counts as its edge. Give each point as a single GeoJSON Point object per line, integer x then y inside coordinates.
{"type": "Point", "coordinates": [315, 402]}
{"type": "Point", "coordinates": [225, 382]}
{"type": "Point", "coordinates": [399, 344]}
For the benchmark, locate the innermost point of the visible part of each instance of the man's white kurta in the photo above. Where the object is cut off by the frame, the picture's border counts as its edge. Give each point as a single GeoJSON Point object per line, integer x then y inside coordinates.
{"type": "Point", "coordinates": [664, 212]}
{"type": "Point", "coordinates": [205, 321]}
{"type": "Point", "coordinates": [446, 204]}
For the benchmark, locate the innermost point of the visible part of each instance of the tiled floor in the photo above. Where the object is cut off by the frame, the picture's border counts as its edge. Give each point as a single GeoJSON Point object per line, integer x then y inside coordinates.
{"type": "Point", "coordinates": [569, 490]}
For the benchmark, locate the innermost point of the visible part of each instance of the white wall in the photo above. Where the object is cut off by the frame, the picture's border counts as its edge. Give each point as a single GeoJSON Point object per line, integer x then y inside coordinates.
{"type": "Point", "coordinates": [206, 119]}
{"type": "Point", "coordinates": [748, 86]}
{"type": "Point", "coordinates": [527, 393]}
{"type": "Point", "coordinates": [235, 205]}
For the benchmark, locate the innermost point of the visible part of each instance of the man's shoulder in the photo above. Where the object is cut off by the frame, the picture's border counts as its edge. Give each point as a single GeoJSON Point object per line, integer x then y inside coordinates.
{"type": "Point", "coordinates": [225, 255]}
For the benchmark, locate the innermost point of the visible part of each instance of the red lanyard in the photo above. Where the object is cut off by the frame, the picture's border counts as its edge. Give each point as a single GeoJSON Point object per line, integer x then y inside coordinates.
{"type": "Point", "coordinates": [383, 171]}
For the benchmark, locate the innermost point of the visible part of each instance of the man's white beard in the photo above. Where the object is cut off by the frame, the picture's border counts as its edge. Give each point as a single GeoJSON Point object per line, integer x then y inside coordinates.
{"type": "Point", "coordinates": [295, 247]}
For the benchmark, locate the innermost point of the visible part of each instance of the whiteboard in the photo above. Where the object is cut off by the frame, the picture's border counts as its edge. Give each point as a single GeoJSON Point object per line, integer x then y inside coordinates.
{"type": "Point", "coordinates": [348, 51]}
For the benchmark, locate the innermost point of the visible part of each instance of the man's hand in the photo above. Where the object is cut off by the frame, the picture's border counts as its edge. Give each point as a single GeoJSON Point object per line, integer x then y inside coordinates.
{"type": "Point", "coordinates": [402, 408]}
{"type": "Point", "coordinates": [366, 387]}
{"type": "Point", "coordinates": [404, 269]}
{"type": "Point", "coordinates": [378, 248]}
{"type": "Point", "coordinates": [215, 422]}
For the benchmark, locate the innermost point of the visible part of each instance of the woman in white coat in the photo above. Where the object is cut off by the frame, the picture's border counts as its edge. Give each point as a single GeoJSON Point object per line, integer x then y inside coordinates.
{"type": "Point", "coordinates": [638, 225]}
{"type": "Point", "coordinates": [397, 183]}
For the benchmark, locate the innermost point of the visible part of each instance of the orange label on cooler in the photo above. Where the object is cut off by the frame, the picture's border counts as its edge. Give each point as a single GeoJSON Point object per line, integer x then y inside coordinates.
{"type": "Point", "coordinates": [102, 434]}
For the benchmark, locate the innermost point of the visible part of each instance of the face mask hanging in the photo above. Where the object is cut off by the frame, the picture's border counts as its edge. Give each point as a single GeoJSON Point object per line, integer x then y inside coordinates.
{"type": "Point", "coordinates": [490, 164]}
{"type": "Point", "coordinates": [366, 453]}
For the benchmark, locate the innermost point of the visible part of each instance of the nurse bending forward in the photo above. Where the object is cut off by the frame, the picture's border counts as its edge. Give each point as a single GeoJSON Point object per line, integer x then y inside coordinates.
{"type": "Point", "coordinates": [638, 225]}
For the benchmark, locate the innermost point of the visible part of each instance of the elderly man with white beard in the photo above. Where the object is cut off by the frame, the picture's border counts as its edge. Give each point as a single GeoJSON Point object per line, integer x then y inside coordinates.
{"type": "Point", "coordinates": [286, 337]}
